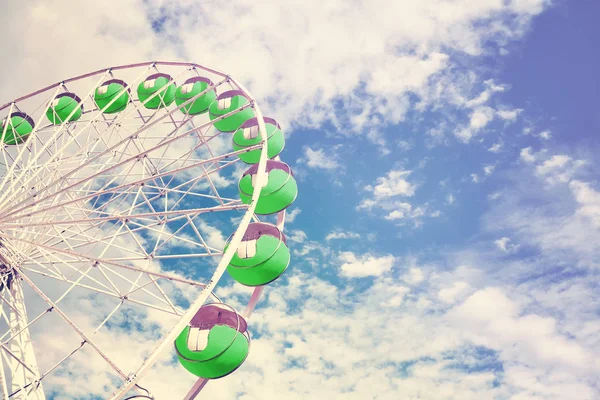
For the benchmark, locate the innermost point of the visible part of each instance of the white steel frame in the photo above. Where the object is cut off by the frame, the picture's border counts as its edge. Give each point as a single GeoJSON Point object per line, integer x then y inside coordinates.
{"type": "Point", "coordinates": [63, 228]}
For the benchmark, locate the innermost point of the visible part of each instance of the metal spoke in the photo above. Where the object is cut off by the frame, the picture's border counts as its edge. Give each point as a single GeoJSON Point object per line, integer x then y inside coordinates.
{"type": "Point", "coordinates": [104, 205]}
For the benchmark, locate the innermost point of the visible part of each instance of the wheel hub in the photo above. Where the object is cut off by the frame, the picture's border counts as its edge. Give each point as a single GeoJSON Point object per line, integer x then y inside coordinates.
{"type": "Point", "coordinates": [9, 260]}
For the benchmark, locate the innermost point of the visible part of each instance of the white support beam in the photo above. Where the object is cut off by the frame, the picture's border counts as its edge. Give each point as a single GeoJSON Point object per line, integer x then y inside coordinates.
{"type": "Point", "coordinates": [23, 365]}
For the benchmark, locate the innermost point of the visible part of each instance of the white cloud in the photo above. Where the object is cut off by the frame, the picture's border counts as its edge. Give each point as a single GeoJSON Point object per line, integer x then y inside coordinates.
{"type": "Point", "coordinates": [403, 210]}
{"type": "Point", "coordinates": [389, 194]}
{"type": "Point", "coordinates": [320, 159]}
{"type": "Point", "coordinates": [334, 48]}
{"type": "Point", "coordinates": [367, 204]}
{"type": "Point", "coordinates": [464, 134]}
{"type": "Point", "coordinates": [418, 71]}
{"type": "Point", "coordinates": [504, 244]}
{"type": "Point", "coordinates": [524, 355]}
{"type": "Point", "coordinates": [527, 155]}
{"type": "Point", "coordinates": [213, 236]}
{"type": "Point", "coordinates": [559, 220]}
{"type": "Point", "coordinates": [360, 266]}
{"type": "Point", "coordinates": [394, 184]}
{"type": "Point", "coordinates": [489, 169]}
{"type": "Point", "coordinates": [588, 199]}
{"type": "Point", "coordinates": [414, 276]}
{"type": "Point", "coordinates": [291, 215]}
{"type": "Point", "coordinates": [379, 140]}
{"type": "Point", "coordinates": [339, 234]}
{"type": "Point", "coordinates": [553, 163]}
{"type": "Point", "coordinates": [449, 294]}
{"type": "Point", "coordinates": [559, 168]}
{"type": "Point", "coordinates": [327, 49]}
{"type": "Point", "coordinates": [490, 88]}
{"type": "Point", "coordinates": [404, 145]}
{"type": "Point", "coordinates": [475, 178]}
{"type": "Point", "coordinates": [496, 147]}
{"type": "Point", "coordinates": [481, 117]}
{"type": "Point", "coordinates": [297, 236]}
{"type": "Point", "coordinates": [482, 114]}
{"type": "Point", "coordinates": [495, 320]}
{"type": "Point", "coordinates": [450, 199]}
{"type": "Point", "coordinates": [545, 135]}
{"type": "Point", "coordinates": [494, 196]}
{"type": "Point", "coordinates": [308, 326]}
{"type": "Point", "coordinates": [509, 115]}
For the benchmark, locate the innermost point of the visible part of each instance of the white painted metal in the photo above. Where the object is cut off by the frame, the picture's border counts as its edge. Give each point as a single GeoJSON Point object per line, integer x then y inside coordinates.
{"type": "Point", "coordinates": [95, 205]}
{"type": "Point", "coordinates": [17, 351]}
{"type": "Point", "coordinates": [219, 271]}
{"type": "Point", "coordinates": [3, 382]}
{"type": "Point", "coordinates": [22, 348]}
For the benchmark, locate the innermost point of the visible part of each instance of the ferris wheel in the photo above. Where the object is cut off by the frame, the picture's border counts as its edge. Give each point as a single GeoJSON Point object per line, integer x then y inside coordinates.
{"type": "Point", "coordinates": [117, 191]}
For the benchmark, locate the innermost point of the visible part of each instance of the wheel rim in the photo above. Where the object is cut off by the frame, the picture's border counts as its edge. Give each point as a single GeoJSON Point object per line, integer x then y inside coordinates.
{"type": "Point", "coordinates": [71, 195]}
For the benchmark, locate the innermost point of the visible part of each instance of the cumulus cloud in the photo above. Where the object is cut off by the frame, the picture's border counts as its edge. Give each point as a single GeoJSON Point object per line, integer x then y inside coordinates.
{"type": "Point", "coordinates": [405, 211]}
{"type": "Point", "coordinates": [588, 199]}
{"type": "Point", "coordinates": [559, 168]}
{"type": "Point", "coordinates": [504, 244]}
{"type": "Point", "coordinates": [451, 293]}
{"type": "Point", "coordinates": [527, 155]}
{"type": "Point", "coordinates": [360, 266]}
{"type": "Point", "coordinates": [393, 184]}
{"type": "Point", "coordinates": [389, 195]}
{"type": "Point", "coordinates": [509, 115]}
{"type": "Point", "coordinates": [342, 69]}
{"type": "Point", "coordinates": [404, 145]}
{"type": "Point", "coordinates": [489, 169]}
{"type": "Point", "coordinates": [297, 236]}
{"type": "Point", "coordinates": [388, 187]}
{"type": "Point", "coordinates": [459, 342]}
{"type": "Point", "coordinates": [496, 147]}
{"type": "Point", "coordinates": [553, 163]}
{"type": "Point", "coordinates": [494, 196]}
{"type": "Point", "coordinates": [291, 215]}
{"type": "Point", "coordinates": [494, 319]}
{"type": "Point", "coordinates": [490, 88]}
{"type": "Point", "coordinates": [339, 234]}
{"type": "Point", "coordinates": [545, 135]}
{"type": "Point", "coordinates": [320, 159]}
{"type": "Point", "coordinates": [552, 212]}
{"type": "Point", "coordinates": [296, 83]}
{"type": "Point", "coordinates": [481, 114]}
{"type": "Point", "coordinates": [481, 117]}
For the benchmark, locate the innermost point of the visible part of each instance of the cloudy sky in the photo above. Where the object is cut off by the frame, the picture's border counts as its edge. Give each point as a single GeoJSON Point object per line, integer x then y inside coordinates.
{"type": "Point", "coordinates": [445, 236]}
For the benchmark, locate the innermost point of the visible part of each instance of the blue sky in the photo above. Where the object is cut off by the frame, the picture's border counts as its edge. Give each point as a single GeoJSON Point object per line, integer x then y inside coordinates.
{"type": "Point", "coordinates": [444, 238]}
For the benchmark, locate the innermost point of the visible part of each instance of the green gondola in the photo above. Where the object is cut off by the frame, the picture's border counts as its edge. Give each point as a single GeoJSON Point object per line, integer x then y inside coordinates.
{"type": "Point", "coordinates": [248, 136]}
{"type": "Point", "coordinates": [153, 84]}
{"type": "Point", "coordinates": [215, 343]}
{"type": "Point", "coordinates": [279, 192]}
{"type": "Point", "coordinates": [109, 90]}
{"type": "Point", "coordinates": [226, 103]}
{"type": "Point", "coordinates": [18, 128]}
{"type": "Point", "coordinates": [191, 88]}
{"type": "Point", "coordinates": [63, 106]}
{"type": "Point", "coordinates": [262, 256]}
